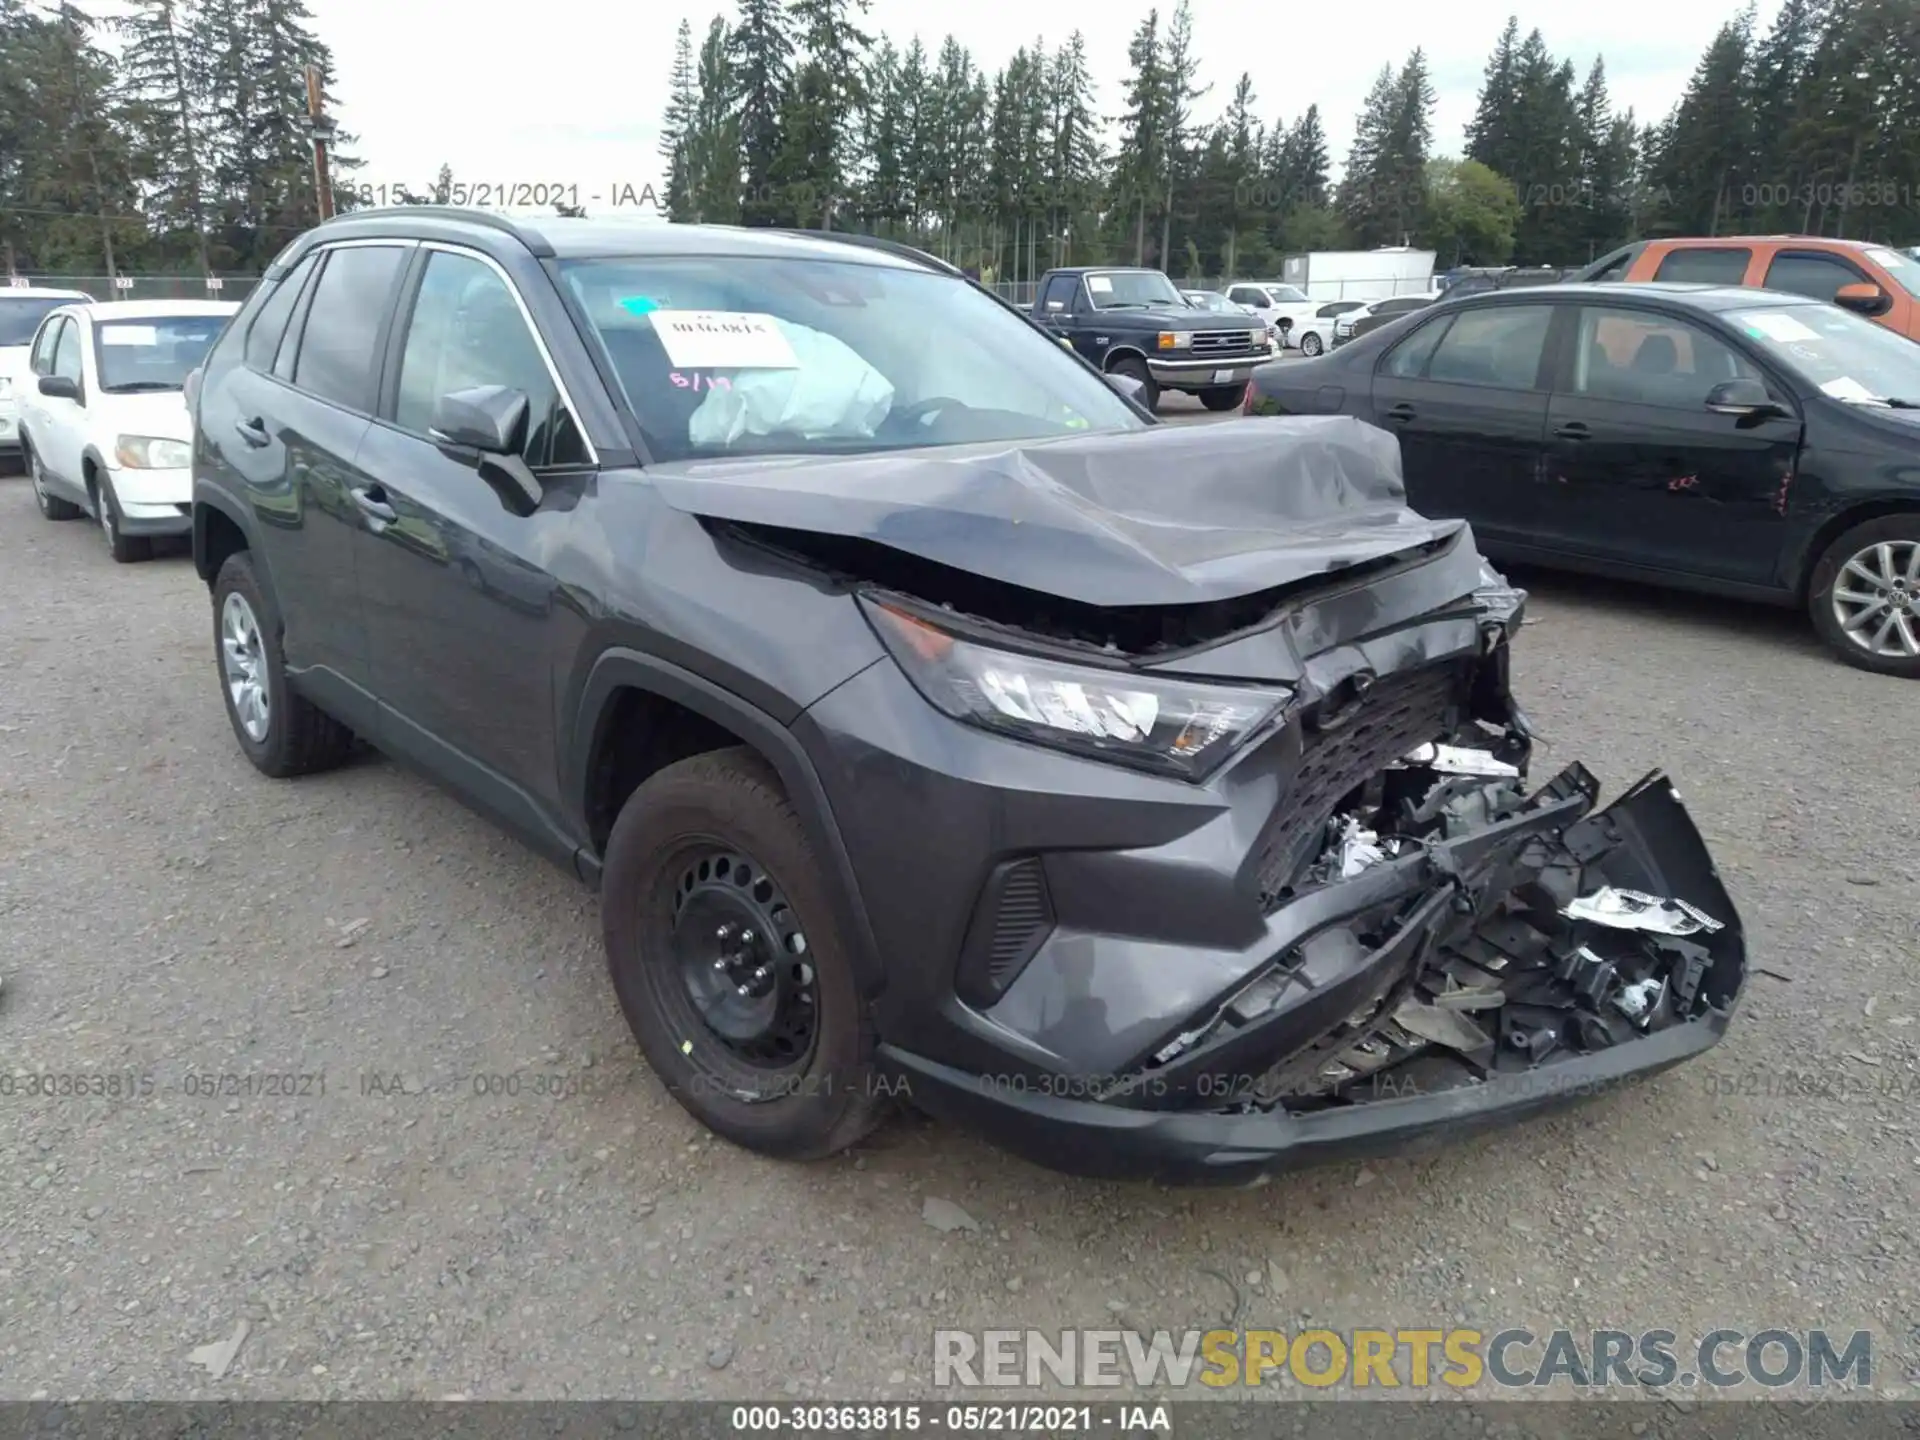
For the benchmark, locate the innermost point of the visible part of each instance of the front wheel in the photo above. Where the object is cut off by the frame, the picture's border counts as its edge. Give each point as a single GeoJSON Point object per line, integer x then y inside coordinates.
{"type": "Point", "coordinates": [1311, 344]}
{"type": "Point", "coordinates": [124, 548]}
{"type": "Point", "coordinates": [729, 963]}
{"type": "Point", "coordinates": [1223, 397]}
{"type": "Point", "coordinates": [1137, 370]}
{"type": "Point", "coordinates": [1864, 596]}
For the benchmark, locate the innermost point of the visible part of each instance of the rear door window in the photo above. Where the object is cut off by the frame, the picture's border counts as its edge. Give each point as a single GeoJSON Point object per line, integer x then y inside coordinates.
{"type": "Point", "coordinates": [1499, 346]}
{"type": "Point", "coordinates": [1813, 274]}
{"type": "Point", "coordinates": [1408, 360]}
{"type": "Point", "coordinates": [339, 345]}
{"type": "Point", "coordinates": [1699, 265]}
{"type": "Point", "coordinates": [270, 321]}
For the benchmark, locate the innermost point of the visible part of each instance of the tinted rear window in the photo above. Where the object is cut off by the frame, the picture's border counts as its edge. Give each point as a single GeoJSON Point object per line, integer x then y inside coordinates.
{"type": "Point", "coordinates": [337, 359]}
{"type": "Point", "coordinates": [1705, 267]}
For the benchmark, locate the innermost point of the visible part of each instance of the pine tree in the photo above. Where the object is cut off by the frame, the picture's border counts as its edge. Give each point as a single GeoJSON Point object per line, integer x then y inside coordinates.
{"type": "Point", "coordinates": [1074, 158]}
{"type": "Point", "coordinates": [1781, 66]}
{"type": "Point", "coordinates": [1707, 145]}
{"type": "Point", "coordinates": [828, 90]}
{"type": "Point", "coordinates": [677, 121]}
{"type": "Point", "coordinates": [1383, 193]}
{"type": "Point", "coordinates": [1141, 163]}
{"type": "Point", "coordinates": [1307, 160]}
{"type": "Point", "coordinates": [713, 139]}
{"type": "Point", "coordinates": [883, 126]}
{"type": "Point", "coordinates": [1362, 200]}
{"type": "Point", "coordinates": [1181, 68]}
{"type": "Point", "coordinates": [1492, 134]}
{"type": "Point", "coordinates": [919, 116]}
{"type": "Point", "coordinates": [157, 78]}
{"type": "Point", "coordinates": [762, 62]}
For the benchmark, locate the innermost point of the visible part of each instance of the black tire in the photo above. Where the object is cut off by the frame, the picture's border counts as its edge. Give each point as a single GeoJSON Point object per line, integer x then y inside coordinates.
{"type": "Point", "coordinates": [300, 738]}
{"type": "Point", "coordinates": [1136, 368]}
{"type": "Point", "coordinates": [1312, 345]}
{"type": "Point", "coordinates": [125, 549]}
{"type": "Point", "coordinates": [51, 506]}
{"type": "Point", "coordinates": [1224, 397]}
{"type": "Point", "coordinates": [826, 1098]}
{"type": "Point", "coordinates": [1900, 531]}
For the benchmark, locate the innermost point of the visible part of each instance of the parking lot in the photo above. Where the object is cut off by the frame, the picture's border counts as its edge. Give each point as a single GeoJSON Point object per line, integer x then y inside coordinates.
{"type": "Point", "coordinates": [440, 1168]}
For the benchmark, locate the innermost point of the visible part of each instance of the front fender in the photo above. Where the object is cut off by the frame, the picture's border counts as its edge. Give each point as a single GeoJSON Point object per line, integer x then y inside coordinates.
{"type": "Point", "coordinates": [620, 668]}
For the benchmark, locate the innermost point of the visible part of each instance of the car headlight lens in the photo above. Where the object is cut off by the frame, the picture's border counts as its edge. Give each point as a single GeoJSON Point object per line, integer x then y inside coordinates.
{"type": "Point", "coordinates": [148, 452]}
{"type": "Point", "coordinates": [1152, 722]}
{"type": "Point", "coordinates": [1256, 337]}
{"type": "Point", "coordinates": [1176, 339]}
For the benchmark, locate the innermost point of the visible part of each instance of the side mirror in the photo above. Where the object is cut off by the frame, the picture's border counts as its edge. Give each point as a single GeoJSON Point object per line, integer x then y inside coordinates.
{"type": "Point", "coordinates": [1128, 387]}
{"type": "Point", "coordinates": [488, 422]}
{"type": "Point", "coordinates": [59, 387]}
{"type": "Point", "coordinates": [1054, 307]}
{"type": "Point", "coordinates": [487, 418]}
{"type": "Point", "coordinates": [1868, 300]}
{"type": "Point", "coordinates": [1746, 398]}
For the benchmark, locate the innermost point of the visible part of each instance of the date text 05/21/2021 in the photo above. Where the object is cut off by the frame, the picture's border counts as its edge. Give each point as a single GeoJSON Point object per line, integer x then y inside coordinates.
{"type": "Point", "coordinates": [507, 194]}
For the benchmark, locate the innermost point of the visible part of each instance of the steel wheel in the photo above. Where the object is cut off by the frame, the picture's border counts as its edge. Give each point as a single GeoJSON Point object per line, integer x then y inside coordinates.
{"type": "Point", "coordinates": [1310, 345]}
{"type": "Point", "coordinates": [243, 663]}
{"type": "Point", "coordinates": [1876, 599]}
{"type": "Point", "coordinates": [744, 975]}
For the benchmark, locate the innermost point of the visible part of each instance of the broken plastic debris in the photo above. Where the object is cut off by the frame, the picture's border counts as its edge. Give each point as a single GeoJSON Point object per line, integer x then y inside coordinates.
{"type": "Point", "coordinates": [218, 1356]}
{"type": "Point", "coordinates": [1357, 848]}
{"type": "Point", "coordinates": [1631, 910]}
{"type": "Point", "coordinates": [945, 1216]}
{"type": "Point", "coordinates": [1637, 1001]}
{"type": "Point", "coordinates": [1458, 760]}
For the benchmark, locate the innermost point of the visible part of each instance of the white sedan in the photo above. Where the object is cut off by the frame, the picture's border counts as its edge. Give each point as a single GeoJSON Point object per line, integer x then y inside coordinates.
{"type": "Point", "coordinates": [1315, 336]}
{"type": "Point", "coordinates": [103, 421]}
{"type": "Point", "coordinates": [1285, 308]}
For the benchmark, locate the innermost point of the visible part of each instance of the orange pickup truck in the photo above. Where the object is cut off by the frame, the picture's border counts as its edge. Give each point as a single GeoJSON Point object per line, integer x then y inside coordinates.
{"type": "Point", "coordinates": [1872, 280]}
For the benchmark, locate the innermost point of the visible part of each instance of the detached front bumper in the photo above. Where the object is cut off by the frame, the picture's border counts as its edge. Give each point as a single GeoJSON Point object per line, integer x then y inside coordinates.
{"type": "Point", "coordinates": [1163, 1126]}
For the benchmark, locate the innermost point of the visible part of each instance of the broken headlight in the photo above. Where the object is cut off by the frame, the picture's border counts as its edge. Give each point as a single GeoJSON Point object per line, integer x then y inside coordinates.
{"type": "Point", "coordinates": [1154, 722]}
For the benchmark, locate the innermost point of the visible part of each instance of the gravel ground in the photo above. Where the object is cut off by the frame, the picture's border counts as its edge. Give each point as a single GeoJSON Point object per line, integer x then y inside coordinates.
{"type": "Point", "coordinates": [167, 913]}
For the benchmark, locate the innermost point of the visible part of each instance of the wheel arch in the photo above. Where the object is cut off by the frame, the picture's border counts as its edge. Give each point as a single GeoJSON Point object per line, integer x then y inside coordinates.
{"type": "Point", "coordinates": [1837, 525]}
{"type": "Point", "coordinates": [219, 530]}
{"type": "Point", "coordinates": [619, 673]}
{"type": "Point", "coordinates": [1123, 351]}
{"type": "Point", "coordinates": [92, 462]}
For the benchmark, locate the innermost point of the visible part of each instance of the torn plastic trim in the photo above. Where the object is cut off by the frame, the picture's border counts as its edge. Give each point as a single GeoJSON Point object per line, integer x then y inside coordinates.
{"type": "Point", "coordinates": [1483, 939]}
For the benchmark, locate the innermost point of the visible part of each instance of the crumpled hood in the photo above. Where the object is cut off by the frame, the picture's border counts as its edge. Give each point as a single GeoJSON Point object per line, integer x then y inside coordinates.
{"type": "Point", "coordinates": [1174, 515]}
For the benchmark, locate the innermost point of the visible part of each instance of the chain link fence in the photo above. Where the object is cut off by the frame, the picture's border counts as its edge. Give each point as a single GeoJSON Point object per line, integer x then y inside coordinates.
{"type": "Point", "coordinates": [145, 287]}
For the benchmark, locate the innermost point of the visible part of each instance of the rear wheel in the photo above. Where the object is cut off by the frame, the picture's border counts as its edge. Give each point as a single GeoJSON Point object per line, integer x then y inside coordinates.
{"type": "Point", "coordinates": [1223, 397]}
{"type": "Point", "coordinates": [279, 730]}
{"type": "Point", "coordinates": [1137, 370]}
{"type": "Point", "coordinates": [728, 961]}
{"type": "Point", "coordinates": [1864, 596]}
{"type": "Point", "coordinates": [51, 505]}
{"type": "Point", "coordinates": [1311, 344]}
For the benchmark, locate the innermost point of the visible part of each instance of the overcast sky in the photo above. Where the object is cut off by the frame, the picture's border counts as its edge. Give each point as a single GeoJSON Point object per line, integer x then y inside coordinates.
{"type": "Point", "coordinates": [571, 92]}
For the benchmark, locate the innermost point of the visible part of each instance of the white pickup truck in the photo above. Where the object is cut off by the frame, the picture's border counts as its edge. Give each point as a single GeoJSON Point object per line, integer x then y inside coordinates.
{"type": "Point", "coordinates": [1285, 308]}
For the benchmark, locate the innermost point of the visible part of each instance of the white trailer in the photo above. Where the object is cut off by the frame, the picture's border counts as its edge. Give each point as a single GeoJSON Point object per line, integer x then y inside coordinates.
{"type": "Point", "coordinates": [1360, 274]}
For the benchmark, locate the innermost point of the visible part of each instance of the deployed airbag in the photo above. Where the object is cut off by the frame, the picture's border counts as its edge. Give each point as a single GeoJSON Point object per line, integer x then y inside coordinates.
{"type": "Point", "coordinates": [828, 393]}
{"type": "Point", "coordinates": [1167, 516]}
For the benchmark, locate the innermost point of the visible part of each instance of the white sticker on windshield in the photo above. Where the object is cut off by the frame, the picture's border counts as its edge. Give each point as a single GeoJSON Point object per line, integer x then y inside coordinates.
{"type": "Point", "coordinates": [129, 335]}
{"type": "Point", "coordinates": [1100, 284]}
{"type": "Point", "coordinates": [1778, 325]}
{"type": "Point", "coordinates": [722, 340]}
{"type": "Point", "coordinates": [1847, 388]}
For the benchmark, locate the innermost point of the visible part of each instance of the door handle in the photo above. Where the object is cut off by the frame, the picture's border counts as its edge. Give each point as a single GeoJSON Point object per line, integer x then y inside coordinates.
{"type": "Point", "coordinates": [1400, 414]}
{"type": "Point", "coordinates": [253, 431]}
{"type": "Point", "coordinates": [368, 499]}
{"type": "Point", "coordinates": [1571, 430]}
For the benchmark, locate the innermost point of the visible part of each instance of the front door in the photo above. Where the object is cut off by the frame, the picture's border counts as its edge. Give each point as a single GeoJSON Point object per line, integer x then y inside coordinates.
{"type": "Point", "coordinates": [1639, 470]}
{"type": "Point", "coordinates": [461, 607]}
{"type": "Point", "coordinates": [1463, 392]}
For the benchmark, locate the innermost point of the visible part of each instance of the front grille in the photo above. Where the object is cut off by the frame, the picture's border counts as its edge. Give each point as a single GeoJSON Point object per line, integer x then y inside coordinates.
{"type": "Point", "coordinates": [1222, 342]}
{"type": "Point", "coordinates": [1401, 713]}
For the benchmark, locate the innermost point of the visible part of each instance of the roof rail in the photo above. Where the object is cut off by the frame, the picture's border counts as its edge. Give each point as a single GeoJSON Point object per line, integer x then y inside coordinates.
{"type": "Point", "coordinates": [898, 249]}
{"type": "Point", "coordinates": [531, 239]}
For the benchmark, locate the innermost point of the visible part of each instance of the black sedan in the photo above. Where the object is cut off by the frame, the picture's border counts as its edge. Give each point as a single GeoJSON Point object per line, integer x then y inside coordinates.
{"type": "Point", "coordinates": [1742, 442]}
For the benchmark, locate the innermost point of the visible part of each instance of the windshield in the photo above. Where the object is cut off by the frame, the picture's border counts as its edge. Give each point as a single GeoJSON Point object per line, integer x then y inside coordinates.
{"type": "Point", "coordinates": [156, 353]}
{"type": "Point", "coordinates": [20, 318]}
{"type": "Point", "coordinates": [1131, 290]}
{"type": "Point", "coordinates": [1904, 269]}
{"type": "Point", "coordinates": [1287, 294]}
{"type": "Point", "coordinates": [1210, 300]}
{"type": "Point", "coordinates": [731, 356]}
{"type": "Point", "coordinates": [1847, 357]}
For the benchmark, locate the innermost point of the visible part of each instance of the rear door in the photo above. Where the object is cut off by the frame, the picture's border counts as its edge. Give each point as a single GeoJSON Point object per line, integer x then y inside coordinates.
{"type": "Point", "coordinates": [1640, 472]}
{"type": "Point", "coordinates": [1465, 394]}
{"type": "Point", "coordinates": [286, 427]}
{"type": "Point", "coordinates": [461, 607]}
